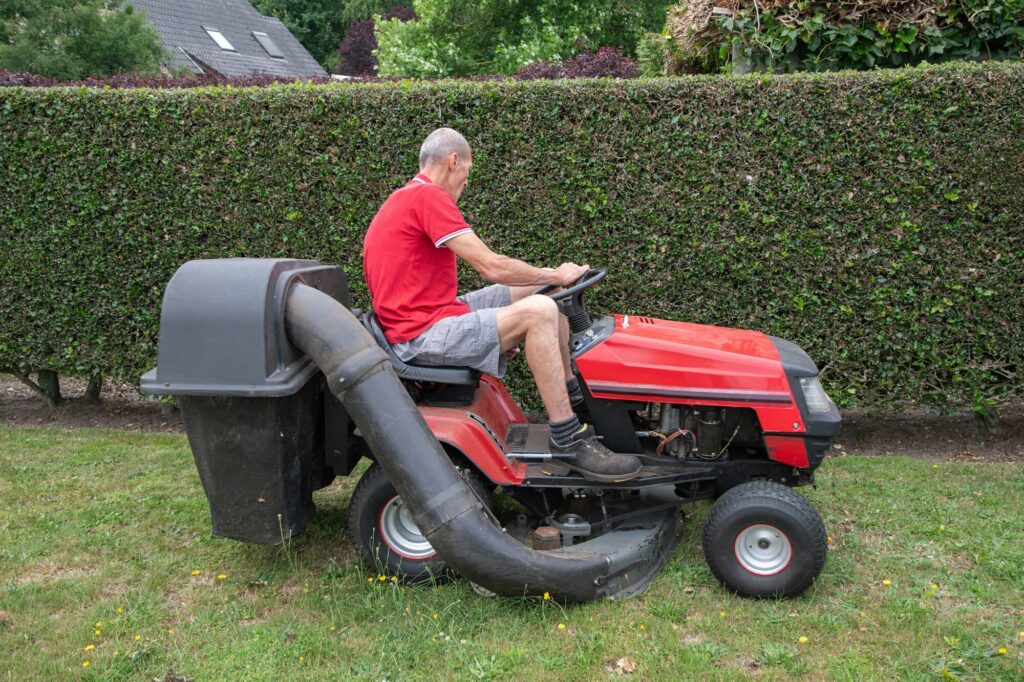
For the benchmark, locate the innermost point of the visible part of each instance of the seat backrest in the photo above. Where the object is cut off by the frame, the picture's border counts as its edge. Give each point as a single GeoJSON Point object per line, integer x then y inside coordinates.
{"type": "Point", "coordinates": [460, 376]}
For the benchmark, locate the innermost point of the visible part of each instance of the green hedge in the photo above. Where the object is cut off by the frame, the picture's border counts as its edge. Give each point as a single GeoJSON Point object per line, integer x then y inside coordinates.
{"type": "Point", "coordinates": [875, 218]}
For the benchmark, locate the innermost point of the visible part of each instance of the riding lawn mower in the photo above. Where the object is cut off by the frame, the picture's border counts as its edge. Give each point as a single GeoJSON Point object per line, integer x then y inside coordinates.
{"type": "Point", "coordinates": [283, 387]}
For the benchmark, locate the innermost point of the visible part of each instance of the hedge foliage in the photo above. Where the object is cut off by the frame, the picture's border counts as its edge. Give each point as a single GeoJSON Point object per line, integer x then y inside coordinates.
{"type": "Point", "coordinates": [875, 218]}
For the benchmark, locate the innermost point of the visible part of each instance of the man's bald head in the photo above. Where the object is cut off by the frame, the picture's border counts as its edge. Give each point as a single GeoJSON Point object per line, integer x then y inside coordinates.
{"type": "Point", "coordinates": [440, 145]}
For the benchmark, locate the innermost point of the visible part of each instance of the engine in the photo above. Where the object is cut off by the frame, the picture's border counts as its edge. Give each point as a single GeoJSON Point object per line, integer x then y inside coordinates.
{"type": "Point", "coordinates": [699, 432]}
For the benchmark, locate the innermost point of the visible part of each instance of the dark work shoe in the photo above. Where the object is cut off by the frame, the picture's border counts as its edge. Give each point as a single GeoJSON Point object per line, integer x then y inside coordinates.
{"type": "Point", "coordinates": [585, 454]}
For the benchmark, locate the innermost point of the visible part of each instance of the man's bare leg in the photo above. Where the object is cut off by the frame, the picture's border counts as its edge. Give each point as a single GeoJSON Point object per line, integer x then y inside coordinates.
{"type": "Point", "coordinates": [520, 293]}
{"type": "Point", "coordinates": [535, 319]}
{"type": "Point", "coordinates": [563, 345]}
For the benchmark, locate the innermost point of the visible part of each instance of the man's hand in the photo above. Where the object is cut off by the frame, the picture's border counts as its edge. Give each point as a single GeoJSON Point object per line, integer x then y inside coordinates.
{"type": "Point", "coordinates": [567, 273]}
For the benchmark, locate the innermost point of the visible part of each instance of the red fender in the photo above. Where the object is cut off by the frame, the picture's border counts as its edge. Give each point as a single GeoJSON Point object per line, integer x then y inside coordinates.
{"type": "Point", "coordinates": [478, 430]}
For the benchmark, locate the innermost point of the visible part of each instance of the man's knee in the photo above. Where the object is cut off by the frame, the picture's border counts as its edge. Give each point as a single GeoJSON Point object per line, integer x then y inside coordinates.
{"type": "Point", "coordinates": [541, 312]}
{"type": "Point", "coordinates": [535, 312]}
{"type": "Point", "coordinates": [541, 307]}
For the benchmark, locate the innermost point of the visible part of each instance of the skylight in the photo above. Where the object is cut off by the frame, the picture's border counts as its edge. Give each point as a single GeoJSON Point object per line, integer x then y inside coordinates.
{"type": "Point", "coordinates": [219, 38]}
{"type": "Point", "coordinates": [269, 45]}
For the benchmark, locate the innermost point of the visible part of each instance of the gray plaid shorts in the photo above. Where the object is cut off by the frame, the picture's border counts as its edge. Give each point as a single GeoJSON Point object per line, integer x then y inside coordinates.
{"type": "Point", "coordinates": [469, 340]}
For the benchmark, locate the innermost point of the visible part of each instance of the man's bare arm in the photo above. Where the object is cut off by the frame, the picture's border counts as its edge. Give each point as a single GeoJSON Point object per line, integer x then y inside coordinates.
{"type": "Point", "coordinates": [509, 271]}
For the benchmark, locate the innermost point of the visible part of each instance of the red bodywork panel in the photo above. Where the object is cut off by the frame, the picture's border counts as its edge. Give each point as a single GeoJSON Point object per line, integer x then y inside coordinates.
{"type": "Point", "coordinates": [478, 430]}
{"type": "Point", "coordinates": [678, 362]}
{"type": "Point", "coordinates": [645, 360]}
{"type": "Point", "coordinates": [787, 450]}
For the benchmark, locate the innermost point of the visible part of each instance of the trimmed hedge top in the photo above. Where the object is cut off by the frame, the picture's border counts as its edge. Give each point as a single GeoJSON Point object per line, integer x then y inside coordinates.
{"type": "Point", "coordinates": [877, 219]}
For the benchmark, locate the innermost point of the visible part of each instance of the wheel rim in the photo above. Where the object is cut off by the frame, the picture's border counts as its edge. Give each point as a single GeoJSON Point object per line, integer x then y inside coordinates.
{"type": "Point", "coordinates": [763, 549]}
{"type": "Point", "coordinates": [400, 533]}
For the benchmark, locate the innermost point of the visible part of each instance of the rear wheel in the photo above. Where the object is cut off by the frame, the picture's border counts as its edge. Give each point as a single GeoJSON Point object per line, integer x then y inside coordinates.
{"type": "Point", "coordinates": [763, 539]}
{"type": "Point", "coordinates": [386, 535]}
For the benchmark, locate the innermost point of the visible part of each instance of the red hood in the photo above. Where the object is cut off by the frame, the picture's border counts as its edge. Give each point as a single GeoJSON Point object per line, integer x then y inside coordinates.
{"type": "Point", "coordinates": [685, 361]}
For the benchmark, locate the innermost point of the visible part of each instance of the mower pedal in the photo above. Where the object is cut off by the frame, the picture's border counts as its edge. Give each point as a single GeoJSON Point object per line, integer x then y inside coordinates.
{"type": "Point", "coordinates": [528, 440]}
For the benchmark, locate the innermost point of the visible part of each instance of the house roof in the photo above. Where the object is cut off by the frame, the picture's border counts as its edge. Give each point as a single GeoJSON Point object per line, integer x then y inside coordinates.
{"type": "Point", "coordinates": [182, 24]}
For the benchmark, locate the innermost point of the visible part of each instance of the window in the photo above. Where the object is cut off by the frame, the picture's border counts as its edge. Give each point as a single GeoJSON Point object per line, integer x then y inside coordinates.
{"type": "Point", "coordinates": [219, 38]}
{"type": "Point", "coordinates": [269, 45]}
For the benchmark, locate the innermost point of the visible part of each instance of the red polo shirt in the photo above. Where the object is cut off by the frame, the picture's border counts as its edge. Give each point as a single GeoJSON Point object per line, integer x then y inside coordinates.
{"type": "Point", "coordinates": [411, 274]}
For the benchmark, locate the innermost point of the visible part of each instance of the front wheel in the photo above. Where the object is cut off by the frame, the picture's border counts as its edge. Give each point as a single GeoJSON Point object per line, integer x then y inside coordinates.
{"type": "Point", "coordinates": [383, 530]}
{"type": "Point", "coordinates": [763, 539]}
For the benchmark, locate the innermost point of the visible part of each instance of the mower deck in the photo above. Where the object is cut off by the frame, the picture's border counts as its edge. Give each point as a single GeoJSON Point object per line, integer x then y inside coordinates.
{"type": "Point", "coordinates": [639, 547]}
{"type": "Point", "coordinates": [650, 476]}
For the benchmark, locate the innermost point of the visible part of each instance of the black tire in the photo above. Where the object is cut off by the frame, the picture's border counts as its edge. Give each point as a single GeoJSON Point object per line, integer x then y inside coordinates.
{"type": "Point", "coordinates": [381, 550]}
{"type": "Point", "coordinates": [747, 535]}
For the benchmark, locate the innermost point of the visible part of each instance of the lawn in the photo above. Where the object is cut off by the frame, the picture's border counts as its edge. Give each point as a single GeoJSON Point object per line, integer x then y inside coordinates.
{"type": "Point", "coordinates": [108, 571]}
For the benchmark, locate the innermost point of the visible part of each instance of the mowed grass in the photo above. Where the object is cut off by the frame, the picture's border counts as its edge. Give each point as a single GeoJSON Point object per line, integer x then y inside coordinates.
{"type": "Point", "coordinates": [108, 571]}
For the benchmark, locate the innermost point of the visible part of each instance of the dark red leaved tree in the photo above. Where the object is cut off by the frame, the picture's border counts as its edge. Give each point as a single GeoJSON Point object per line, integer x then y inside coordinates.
{"type": "Point", "coordinates": [356, 48]}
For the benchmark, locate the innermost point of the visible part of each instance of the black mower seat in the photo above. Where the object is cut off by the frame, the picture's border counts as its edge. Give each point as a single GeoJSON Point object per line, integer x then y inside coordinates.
{"type": "Point", "coordinates": [460, 376]}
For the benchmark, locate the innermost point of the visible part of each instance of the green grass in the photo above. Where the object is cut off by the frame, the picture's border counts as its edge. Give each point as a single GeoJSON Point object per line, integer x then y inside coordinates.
{"type": "Point", "coordinates": [94, 521]}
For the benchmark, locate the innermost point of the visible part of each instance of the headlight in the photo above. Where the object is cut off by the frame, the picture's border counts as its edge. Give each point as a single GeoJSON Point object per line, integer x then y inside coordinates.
{"type": "Point", "coordinates": [814, 395]}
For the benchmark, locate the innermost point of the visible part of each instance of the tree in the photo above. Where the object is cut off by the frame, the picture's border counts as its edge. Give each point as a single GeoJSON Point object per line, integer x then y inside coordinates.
{"type": "Point", "coordinates": [356, 52]}
{"type": "Point", "coordinates": [71, 39]}
{"type": "Point", "coordinates": [317, 24]}
{"type": "Point", "coordinates": [320, 24]}
{"type": "Point", "coordinates": [455, 38]}
{"type": "Point", "coordinates": [793, 35]}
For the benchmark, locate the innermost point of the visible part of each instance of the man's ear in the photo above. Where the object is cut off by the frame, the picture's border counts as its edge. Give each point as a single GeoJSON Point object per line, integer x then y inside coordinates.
{"type": "Point", "coordinates": [453, 161]}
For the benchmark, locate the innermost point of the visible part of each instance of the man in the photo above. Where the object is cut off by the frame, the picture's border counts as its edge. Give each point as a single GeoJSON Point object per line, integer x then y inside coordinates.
{"type": "Point", "coordinates": [409, 257]}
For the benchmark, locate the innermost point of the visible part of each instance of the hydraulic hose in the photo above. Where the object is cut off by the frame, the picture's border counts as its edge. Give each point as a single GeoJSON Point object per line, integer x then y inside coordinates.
{"type": "Point", "coordinates": [447, 512]}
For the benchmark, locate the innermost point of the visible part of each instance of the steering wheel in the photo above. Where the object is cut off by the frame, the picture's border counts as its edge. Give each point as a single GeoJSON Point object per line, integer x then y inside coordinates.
{"type": "Point", "coordinates": [570, 299]}
{"type": "Point", "coordinates": [588, 279]}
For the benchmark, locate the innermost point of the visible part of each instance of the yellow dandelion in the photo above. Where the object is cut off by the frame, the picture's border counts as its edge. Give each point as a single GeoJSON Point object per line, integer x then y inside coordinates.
{"type": "Point", "coordinates": [89, 647]}
{"type": "Point", "coordinates": [547, 596]}
{"type": "Point", "coordinates": [561, 626]}
{"type": "Point", "coordinates": [887, 582]}
{"type": "Point", "coordinates": [829, 538]}
{"type": "Point", "coordinates": [138, 638]}
{"type": "Point", "coordinates": [642, 626]}
{"type": "Point", "coordinates": [435, 616]}
{"type": "Point", "coordinates": [803, 639]}
{"type": "Point", "coordinates": [1001, 651]}
{"type": "Point", "coordinates": [394, 578]}
{"type": "Point", "coordinates": [721, 614]}
{"type": "Point", "coordinates": [97, 633]}
{"type": "Point", "coordinates": [99, 625]}
{"type": "Point", "coordinates": [120, 610]}
{"type": "Point", "coordinates": [221, 576]}
{"type": "Point", "coordinates": [332, 629]}
{"type": "Point", "coordinates": [369, 580]}
{"type": "Point", "coordinates": [196, 572]}
{"type": "Point", "coordinates": [170, 631]}
{"type": "Point", "coordinates": [382, 578]}
{"type": "Point", "coordinates": [935, 466]}
{"type": "Point", "coordinates": [85, 664]}
{"type": "Point", "coordinates": [935, 587]}
{"type": "Point", "coordinates": [1021, 634]}
{"type": "Point", "coordinates": [942, 527]}
{"type": "Point", "coordinates": [301, 659]}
